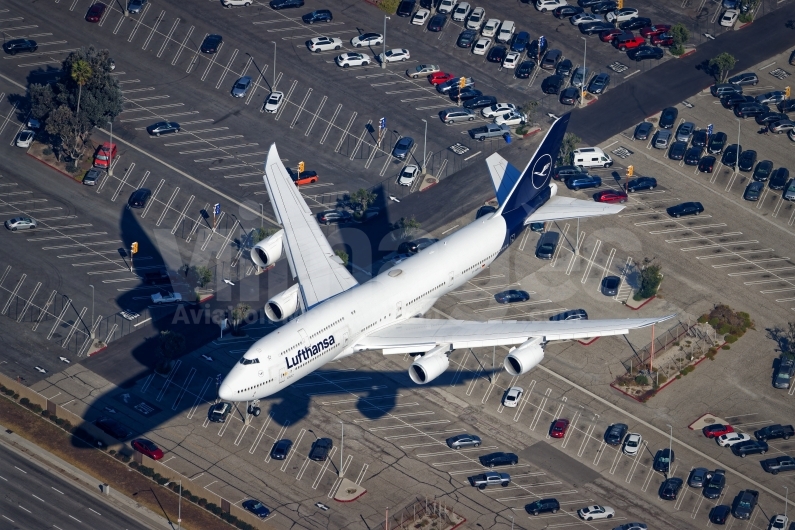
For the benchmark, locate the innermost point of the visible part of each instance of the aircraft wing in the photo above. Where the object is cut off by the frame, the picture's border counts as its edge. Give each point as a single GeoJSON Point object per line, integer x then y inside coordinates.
{"type": "Point", "coordinates": [558, 208]}
{"type": "Point", "coordinates": [318, 270]}
{"type": "Point", "coordinates": [422, 334]}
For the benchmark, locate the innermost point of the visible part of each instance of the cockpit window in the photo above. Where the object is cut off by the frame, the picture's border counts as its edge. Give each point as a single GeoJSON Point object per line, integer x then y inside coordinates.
{"type": "Point", "coordinates": [249, 361]}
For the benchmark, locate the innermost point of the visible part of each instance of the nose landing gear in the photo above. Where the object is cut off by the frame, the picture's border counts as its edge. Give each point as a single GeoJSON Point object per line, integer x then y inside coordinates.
{"type": "Point", "coordinates": [254, 409]}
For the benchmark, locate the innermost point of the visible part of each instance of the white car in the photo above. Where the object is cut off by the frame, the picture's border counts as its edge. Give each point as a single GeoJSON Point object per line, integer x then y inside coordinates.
{"type": "Point", "coordinates": [511, 60]}
{"type": "Point", "coordinates": [512, 396]}
{"type": "Point", "coordinates": [549, 5]}
{"type": "Point", "coordinates": [632, 444]}
{"type": "Point", "coordinates": [25, 138]}
{"type": "Point", "coordinates": [352, 59]}
{"type": "Point", "coordinates": [476, 18]}
{"type": "Point", "coordinates": [323, 44]}
{"type": "Point", "coordinates": [461, 12]}
{"type": "Point", "coordinates": [230, 3]}
{"type": "Point", "coordinates": [589, 513]}
{"type": "Point", "coordinates": [584, 18]}
{"type": "Point", "coordinates": [498, 109]}
{"type": "Point", "coordinates": [731, 438]}
{"type": "Point", "coordinates": [447, 6]}
{"type": "Point", "coordinates": [422, 70]}
{"type": "Point", "coordinates": [394, 55]}
{"type": "Point", "coordinates": [367, 39]}
{"type": "Point", "coordinates": [778, 522]}
{"type": "Point", "coordinates": [621, 15]}
{"type": "Point", "coordinates": [491, 27]}
{"type": "Point", "coordinates": [729, 18]}
{"type": "Point", "coordinates": [511, 118]}
{"type": "Point", "coordinates": [481, 46]}
{"type": "Point", "coordinates": [274, 101]}
{"type": "Point", "coordinates": [407, 176]}
{"type": "Point", "coordinates": [420, 17]}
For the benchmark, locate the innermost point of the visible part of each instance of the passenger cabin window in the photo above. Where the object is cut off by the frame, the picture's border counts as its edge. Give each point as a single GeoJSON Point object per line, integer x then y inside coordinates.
{"type": "Point", "coordinates": [249, 361]}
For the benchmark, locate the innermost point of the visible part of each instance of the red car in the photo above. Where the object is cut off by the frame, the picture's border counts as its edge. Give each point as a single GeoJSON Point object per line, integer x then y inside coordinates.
{"type": "Point", "coordinates": [559, 428]}
{"type": "Point", "coordinates": [104, 154]}
{"type": "Point", "coordinates": [95, 12]}
{"type": "Point", "coordinates": [610, 196]}
{"type": "Point", "coordinates": [628, 43]}
{"type": "Point", "coordinates": [148, 448]}
{"type": "Point", "coordinates": [439, 77]}
{"type": "Point", "coordinates": [663, 39]}
{"type": "Point", "coordinates": [306, 177]}
{"type": "Point", "coordinates": [657, 29]}
{"type": "Point", "coordinates": [610, 34]}
{"type": "Point", "coordinates": [713, 431]}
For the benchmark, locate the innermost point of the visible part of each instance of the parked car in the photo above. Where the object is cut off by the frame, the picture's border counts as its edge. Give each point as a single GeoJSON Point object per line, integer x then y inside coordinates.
{"type": "Point", "coordinates": [420, 17]}
{"type": "Point", "coordinates": [95, 12]}
{"type": "Point", "coordinates": [729, 17]}
{"type": "Point", "coordinates": [716, 142]}
{"type": "Point", "coordinates": [773, 432]}
{"type": "Point", "coordinates": [642, 53]}
{"type": "Point", "coordinates": [525, 69]}
{"type": "Point", "coordinates": [751, 447]}
{"type": "Point", "coordinates": [241, 86]}
{"type": "Point", "coordinates": [104, 155]}
{"type": "Point", "coordinates": [285, 4]}
{"type": "Point", "coordinates": [599, 83]}
{"type": "Point", "coordinates": [476, 19]}
{"type": "Point", "coordinates": [731, 438]}
{"type": "Point", "coordinates": [511, 60]}
{"type": "Point", "coordinates": [778, 178]}
{"type": "Point", "coordinates": [747, 160]}
{"type": "Point", "coordinates": [693, 155]}
{"type": "Point", "coordinates": [490, 130]}
{"type": "Point", "coordinates": [663, 460]}
{"type": "Point", "coordinates": [511, 296]}
{"type": "Point", "coordinates": [490, 28]}
{"type": "Point", "coordinates": [746, 78]}
{"type": "Point", "coordinates": [731, 155]}
{"type": "Point", "coordinates": [256, 507]}
{"type": "Point", "coordinates": [394, 55]}
{"type": "Point", "coordinates": [635, 23]}
{"type": "Point", "coordinates": [92, 176]}
{"type": "Point", "coordinates": [579, 182]}
{"type": "Point", "coordinates": [558, 428]}
{"type": "Point", "coordinates": [677, 150]}
{"type": "Point", "coordinates": [698, 477]}
{"type": "Point", "coordinates": [274, 102]}
{"type": "Point", "coordinates": [552, 84]}
{"type": "Point", "coordinates": [685, 208]}
{"type": "Point", "coordinates": [753, 191]}
{"type": "Point", "coordinates": [320, 449]}
{"type": "Point", "coordinates": [564, 172]}
{"type": "Point", "coordinates": [490, 478]}
{"type": "Point", "coordinates": [789, 191]}
{"type": "Point", "coordinates": [670, 487]}
{"type": "Point", "coordinates": [551, 61]}
{"type": "Point", "coordinates": [610, 285]}
{"type": "Point", "coordinates": [641, 183]}
{"type": "Point", "coordinates": [542, 506]}
{"type": "Point", "coordinates": [719, 514]}
{"type": "Point", "coordinates": [744, 504]}
{"type": "Point", "coordinates": [547, 245]}
{"type": "Point", "coordinates": [408, 174]}
{"type": "Point", "coordinates": [497, 54]}
{"type": "Point", "coordinates": [334, 216]}
{"type": "Point", "coordinates": [668, 117]}
{"type": "Point", "coordinates": [139, 198]}
{"type": "Point", "coordinates": [589, 513]}
{"type": "Point", "coordinates": [656, 29]}
{"type": "Point", "coordinates": [662, 139]}
{"type": "Point", "coordinates": [441, 78]}
{"type": "Point", "coordinates": [628, 42]}
{"type": "Point", "coordinates": [467, 38]}
{"type": "Point", "coordinates": [437, 22]}
{"type": "Point", "coordinates": [632, 444]}
{"type": "Point", "coordinates": [148, 448]}
{"type": "Point", "coordinates": [451, 83]}
{"type": "Point", "coordinates": [422, 70]}
{"type": "Point", "coordinates": [512, 396]}
{"type": "Point", "coordinates": [460, 441]}
{"type": "Point", "coordinates": [403, 147]}
{"type": "Point", "coordinates": [219, 411]}
{"type": "Point", "coordinates": [24, 138]}
{"type": "Point", "coordinates": [614, 434]}
{"type": "Point", "coordinates": [566, 11]}
{"type": "Point", "coordinates": [762, 170]}
{"type": "Point", "coordinates": [590, 28]}
{"type": "Point", "coordinates": [14, 46]}
{"type": "Point", "coordinates": [346, 60]}
{"type": "Point", "coordinates": [716, 481]}
{"type": "Point", "coordinates": [716, 429]}
{"type": "Point", "coordinates": [318, 15]}
{"type": "Point", "coordinates": [778, 464]}
{"type": "Point", "coordinates": [456, 114]}
{"type": "Point", "coordinates": [781, 126]}
{"type": "Point", "coordinates": [211, 43]}
{"type": "Point", "coordinates": [611, 196]}
{"type": "Point", "coordinates": [112, 428]}
{"type": "Point", "coordinates": [461, 11]}
{"type": "Point", "coordinates": [783, 373]}
{"type": "Point", "coordinates": [163, 127]}
{"type": "Point", "coordinates": [620, 15]}
{"type": "Point", "coordinates": [572, 314]}
{"type": "Point", "coordinates": [482, 46]}
{"type": "Point", "coordinates": [570, 96]}
{"type": "Point", "coordinates": [499, 459]}
{"type": "Point", "coordinates": [281, 449]}
{"type": "Point", "coordinates": [20, 223]}
{"type": "Point", "coordinates": [405, 8]}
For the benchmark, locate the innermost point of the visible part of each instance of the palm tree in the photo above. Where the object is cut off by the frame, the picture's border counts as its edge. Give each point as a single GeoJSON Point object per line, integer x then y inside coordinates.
{"type": "Point", "coordinates": [81, 74]}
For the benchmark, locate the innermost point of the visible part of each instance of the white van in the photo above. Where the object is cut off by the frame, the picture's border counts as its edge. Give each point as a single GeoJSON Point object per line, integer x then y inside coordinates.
{"type": "Point", "coordinates": [506, 31]}
{"type": "Point", "coordinates": [591, 157]}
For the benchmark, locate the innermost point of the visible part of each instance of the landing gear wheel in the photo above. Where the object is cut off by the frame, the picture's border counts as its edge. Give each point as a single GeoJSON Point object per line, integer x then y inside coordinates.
{"type": "Point", "coordinates": [256, 411]}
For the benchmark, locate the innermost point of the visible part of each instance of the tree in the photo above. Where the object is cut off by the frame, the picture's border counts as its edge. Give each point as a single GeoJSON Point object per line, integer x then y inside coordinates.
{"type": "Point", "coordinates": [721, 65]}
{"type": "Point", "coordinates": [341, 254]}
{"type": "Point", "coordinates": [262, 233]}
{"type": "Point", "coordinates": [238, 314]}
{"type": "Point", "coordinates": [650, 279]}
{"type": "Point", "coordinates": [681, 35]}
{"type": "Point", "coordinates": [61, 125]}
{"type": "Point", "coordinates": [171, 346]}
{"type": "Point", "coordinates": [530, 109]}
{"type": "Point", "coordinates": [81, 74]}
{"type": "Point", "coordinates": [408, 227]}
{"type": "Point", "coordinates": [570, 141]}
{"type": "Point", "coordinates": [204, 275]}
{"type": "Point", "coordinates": [362, 199]}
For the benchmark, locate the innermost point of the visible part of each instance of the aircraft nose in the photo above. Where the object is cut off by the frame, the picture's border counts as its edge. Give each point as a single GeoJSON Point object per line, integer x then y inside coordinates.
{"type": "Point", "coordinates": [227, 390]}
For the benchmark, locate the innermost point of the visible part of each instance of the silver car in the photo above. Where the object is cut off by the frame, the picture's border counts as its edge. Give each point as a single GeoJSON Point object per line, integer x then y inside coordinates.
{"type": "Point", "coordinates": [579, 77]}
{"type": "Point", "coordinates": [789, 190]}
{"type": "Point", "coordinates": [456, 114]}
{"type": "Point", "coordinates": [92, 176]}
{"type": "Point", "coordinates": [685, 131]}
{"type": "Point", "coordinates": [241, 86]}
{"type": "Point", "coordinates": [21, 223]}
{"type": "Point", "coordinates": [661, 139]}
{"type": "Point", "coordinates": [463, 440]}
{"type": "Point", "coordinates": [135, 6]}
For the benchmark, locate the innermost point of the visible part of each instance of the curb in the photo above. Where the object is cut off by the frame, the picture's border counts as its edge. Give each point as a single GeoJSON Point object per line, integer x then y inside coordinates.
{"type": "Point", "coordinates": [53, 168]}
{"type": "Point", "coordinates": [641, 305]}
{"type": "Point", "coordinates": [208, 297]}
{"type": "Point", "coordinates": [628, 395]}
{"type": "Point", "coordinates": [459, 524]}
{"type": "Point", "coordinates": [353, 499]}
{"type": "Point", "coordinates": [96, 352]}
{"type": "Point", "coordinates": [589, 342]}
{"type": "Point", "coordinates": [737, 28]}
{"type": "Point", "coordinates": [690, 52]}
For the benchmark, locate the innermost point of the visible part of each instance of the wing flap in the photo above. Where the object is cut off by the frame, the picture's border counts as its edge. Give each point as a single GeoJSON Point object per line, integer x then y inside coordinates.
{"type": "Point", "coordinates": [558, 208]}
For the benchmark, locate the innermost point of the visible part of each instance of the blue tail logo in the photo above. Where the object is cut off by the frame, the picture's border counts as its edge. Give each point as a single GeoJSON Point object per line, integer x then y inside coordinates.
{"type": "Point", "coordinates": [532, 188]}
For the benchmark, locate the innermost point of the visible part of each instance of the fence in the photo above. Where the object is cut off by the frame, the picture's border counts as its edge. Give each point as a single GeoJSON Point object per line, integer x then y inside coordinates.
{"type": "Point", "coordinates": [661, 343]}
{"type": "Point", "coordinates": [422, 511]}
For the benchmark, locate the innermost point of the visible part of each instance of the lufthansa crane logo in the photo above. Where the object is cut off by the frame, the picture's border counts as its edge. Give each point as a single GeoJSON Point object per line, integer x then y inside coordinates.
{"type": "Point", "coordinates": [541, 170]}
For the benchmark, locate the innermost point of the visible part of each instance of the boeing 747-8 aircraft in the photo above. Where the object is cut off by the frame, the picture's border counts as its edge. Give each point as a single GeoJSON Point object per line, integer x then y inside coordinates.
{"type": "Point", "coordinates": [339, 317]}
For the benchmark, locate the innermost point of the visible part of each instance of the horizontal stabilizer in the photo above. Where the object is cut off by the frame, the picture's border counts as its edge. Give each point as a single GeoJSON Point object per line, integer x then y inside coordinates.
{"type": "Point", "coordinates": [558, 208]}
{"type": "Point", "coordinates": [503, 176]}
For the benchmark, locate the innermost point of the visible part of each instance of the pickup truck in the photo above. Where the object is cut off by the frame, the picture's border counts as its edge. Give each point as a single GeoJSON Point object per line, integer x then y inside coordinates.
{"type": "Point", "coordinates": [744, 504]}
{"type": "Point", "coordinates": [772, 432]}
{"type": "Point", "coordinates": [490, 478]}
{"type": "Point", "coordinates": [491, 130]}
{"type": "Point", "coordinates": [158, 298]}
{"type": "Point", "coordinates": [778, 464]}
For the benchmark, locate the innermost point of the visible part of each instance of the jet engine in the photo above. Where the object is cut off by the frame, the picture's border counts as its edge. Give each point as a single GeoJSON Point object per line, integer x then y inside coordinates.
{"type": "Point", "coordinates": [524, 358]}
{"type": "Point", "coordinates": [269, 250]}
{"type": "Point", "coordinates": [283, 305]}
{"type": "Point", "coordinates": [430, 365]}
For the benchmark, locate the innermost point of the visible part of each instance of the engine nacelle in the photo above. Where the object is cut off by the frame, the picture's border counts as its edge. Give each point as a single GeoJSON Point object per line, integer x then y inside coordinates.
{"type": "Point", "coordinates": [283, 305]}
{"type": "Point", "coordinates": [430, 365]}
{"type": "Point", "coordinates": [524, 358]}
{"type": "Point", "coordinates": [269, 250]}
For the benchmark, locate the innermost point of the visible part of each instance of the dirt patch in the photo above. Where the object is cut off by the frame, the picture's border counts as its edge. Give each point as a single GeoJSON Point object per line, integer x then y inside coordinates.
{"type": "Point", "coordinates": [39, 151]}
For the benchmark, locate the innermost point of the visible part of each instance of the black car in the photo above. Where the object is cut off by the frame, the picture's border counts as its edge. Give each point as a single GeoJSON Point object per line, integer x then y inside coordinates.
{"type": "Point", "coordinates": [497, 54]}
{"type": "Point", "coordinates": [641, 183]}
{"type": "Point", "coordinates": [139, 198]}
{"type": "Point", "coordinates": [716, 142]}
{"type": "Point", "coordinates": [614, 435]}
{"type": "Point", "coordinates": [762, 170]}
{"type": "Point", "coordinates": [603, 7]}
{"type": "Point", "coordinates": [551, 59]}
{"type": "Point", "coordinates": [750, 447]}
{"type": "Point", "coordinates": [211, 43]}
{"type": "Point", "coordinates": [774, 432]}
{"type": "Point", "coordinates": [747, 160]}
{"type": "Point", "coordinates": [636, 23]}
{"type": "Point", "coordinates": [537, 49]}
{"type": "Point", "coordinates": [747, 78]}
{"type": "Point", "coordinates": [406, 8]}
{"type": "Point", "coordinates": [572, 314]}
{"type": "Point", "coordinates": [318, 15]}
{"type": "Point", "coordinates": [588, 3]}
{"type": "Point", "coordinates": [157, 276]}
{"type": "Point", "coordinates": [567, 11]}
{"type": "Point", "coordinates": [788, 105]}
{"type": "Point", "coordinates": [750, 110]}
{"type": "Point", "coordinates": [686, 208]}
{"type": "Point", "coordinates": [693, 155]}
{"type": "Point", "coordinates": [778, 178]}
{"type": "Point", "coordinates": [542, 506]}
{"type": "Point", "coordinates": [112, 428]}
{"type": "Point", "coordinates": [284, 4]}
{"type": "Point", "coordinates": [511, 296]}
{"type": "Point", "coordinates": [700, 138]}
{"type": "Point", "coordinates": [281, 449]}
{"type": "Point", "coordinates": [668, 117]}
{"type": "Point", "coordinates": [525, 69]}
{"type": "Point", "coordinates": [663, 460]}
{"type": "Point", "coordinates": [416, 245]}
{"type": "Point", "coordinates": [770, 117]}
{"type": "Point", "coordinates": [730, 101]}
{"type": "Point", "coordinates": [570, 96]}
{"type": "Point", "coordinates": [753, 191]}
{"type": "Point", "coordinates": [579, 182]}
{"type": "Point", "coordinates": [599, 83]}
{"type": "Point", "coordinates": [643, 130]}
{"type": "Point", "coordinates": [642, 53]}
{"type": "Point", "coordinates": [782, 376]}
{"type": "Point", "coordinates": [467, 38]}
{"type": "Point", "coordinates": [520, 42]}
{"type": "Point", "coordinates": [552, 84]}
{"type": "Point", "coordinates": [465, 94]}
{"type": "Point", "coordinates": [480, 102]}
{"type": "Point", "coordinates": [163, 127]}
{"type": "Point", "coordinates": [564, 68]}
{"type": "Point", "coordinates": [219, 411]}
{"type": "Point", "coordinates": [744, 504]}
{"type": "Point", "coordinates": [15, 46]}
{"type": "Point", "coordinates": [677, 150]}
{"type": "Point", "coordinates": [564, 172]}
{"type": "Point", "coordinates": [707, 164]}
{"type": "Point", "coordinates": [320, 449]}
{"type": "Point", "coordinates": [589, 28]}
{"type": "Point", "coordinates": [499, 459]}
{"type": "Point", "coordinates": [713, 487]}
{"type": "Point", "coordinates": [719, 514]}
{"type": "Point", "coordinates": [437, 22]}
{"type": "Point", "coordinates": [731, 154]}
{"type": "Point", "coordinates": [256, 507]}
{"type": "Point", "coordinates": [610, 285]}
{"type": "Point", "coordinates": [547, 245]}
{"type": "Point", "coordinates": [669, 489]}
{"type": "Point", "coordinates": [334, 216]}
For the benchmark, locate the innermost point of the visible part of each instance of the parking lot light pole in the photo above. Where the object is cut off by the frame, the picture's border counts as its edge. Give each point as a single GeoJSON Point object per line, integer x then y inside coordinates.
{"type": "Point", "coordinates": [92, 312]}
{"type": "Point", "coordinates": [737, 159]}
{"type": "Point", "coordinates": [274, 65]}
{"type": "Point", "coordinates": [261, 216]}
{"type": "Point", "coordinates": [584, 54]}
{"type": "Point", "coordinates": [110, 151]}
{"type": "Point", "coordinates": [786, 500]}
{"type": "Point", "coordinates": [383, 61]}
{"type": "Point", "coordinates": [670, 450]}
{"type": "Point", "coordinates": [342, 445]}
{"type": "Point", "coordinates": [425, 147]}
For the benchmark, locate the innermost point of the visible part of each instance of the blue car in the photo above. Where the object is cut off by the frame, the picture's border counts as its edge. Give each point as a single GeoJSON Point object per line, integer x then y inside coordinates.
{"type": "Point", "coordinates": [583, 181]}
{"type": "Point", "coordinates": [257, 508]}
{"type": "Point", "coordinates": [403, 147]}
{"type": "Point", "coordinates": [520, 42]}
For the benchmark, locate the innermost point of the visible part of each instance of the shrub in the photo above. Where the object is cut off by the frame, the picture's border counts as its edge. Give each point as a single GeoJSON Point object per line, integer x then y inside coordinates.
{"type": "Point", "coordinates": [390, 6]}
{"type": "Point", "coordinates": [66, 424]}
{"type": "Point", "coordinates": [642, 380]}
{"type": "Point", "coordinates": [662, 379]}
{"type": "Point", "coordinates": [24, 401]}
{"type": "Point", "coordinates": [46, 151]}
{"type": "Point", "coordinates": [162, 481]}
{"type": "Point", "coordinates": [174, 487]}
{"type": "Point", "coordinates": [36, 408]}
{"type": "Point", "coordinates": [71, 167]}
{"type": "Point", "coordinates": [15, 396]}
{"type": "Point", "coordinates": [677, 50]}
{"type": "Point", "coordinates": [726, 347]}
{"type": "Point", "coordinates": [211, 506]}
{"type": "Point", "coordinates": [217, 510]}
{"type": "Point", "coordinates": [687, 369]}
{"type": "Point", "coordinates": [202, 502]}
{"type": "Point", "coordinates": [194, 498]}
{"type": "Point", "coordinates": [156, 476]}
{"type": "Point", "coordinates": [731, 339]}
{"type": "Point", "coordinates": [186, 493]}
{"type": "Point", "coordinates": [112, 452]}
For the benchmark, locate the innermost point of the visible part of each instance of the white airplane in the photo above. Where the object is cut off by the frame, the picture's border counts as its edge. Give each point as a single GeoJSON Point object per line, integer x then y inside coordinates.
{"type": "Point", "coordinates": [339, 317]}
